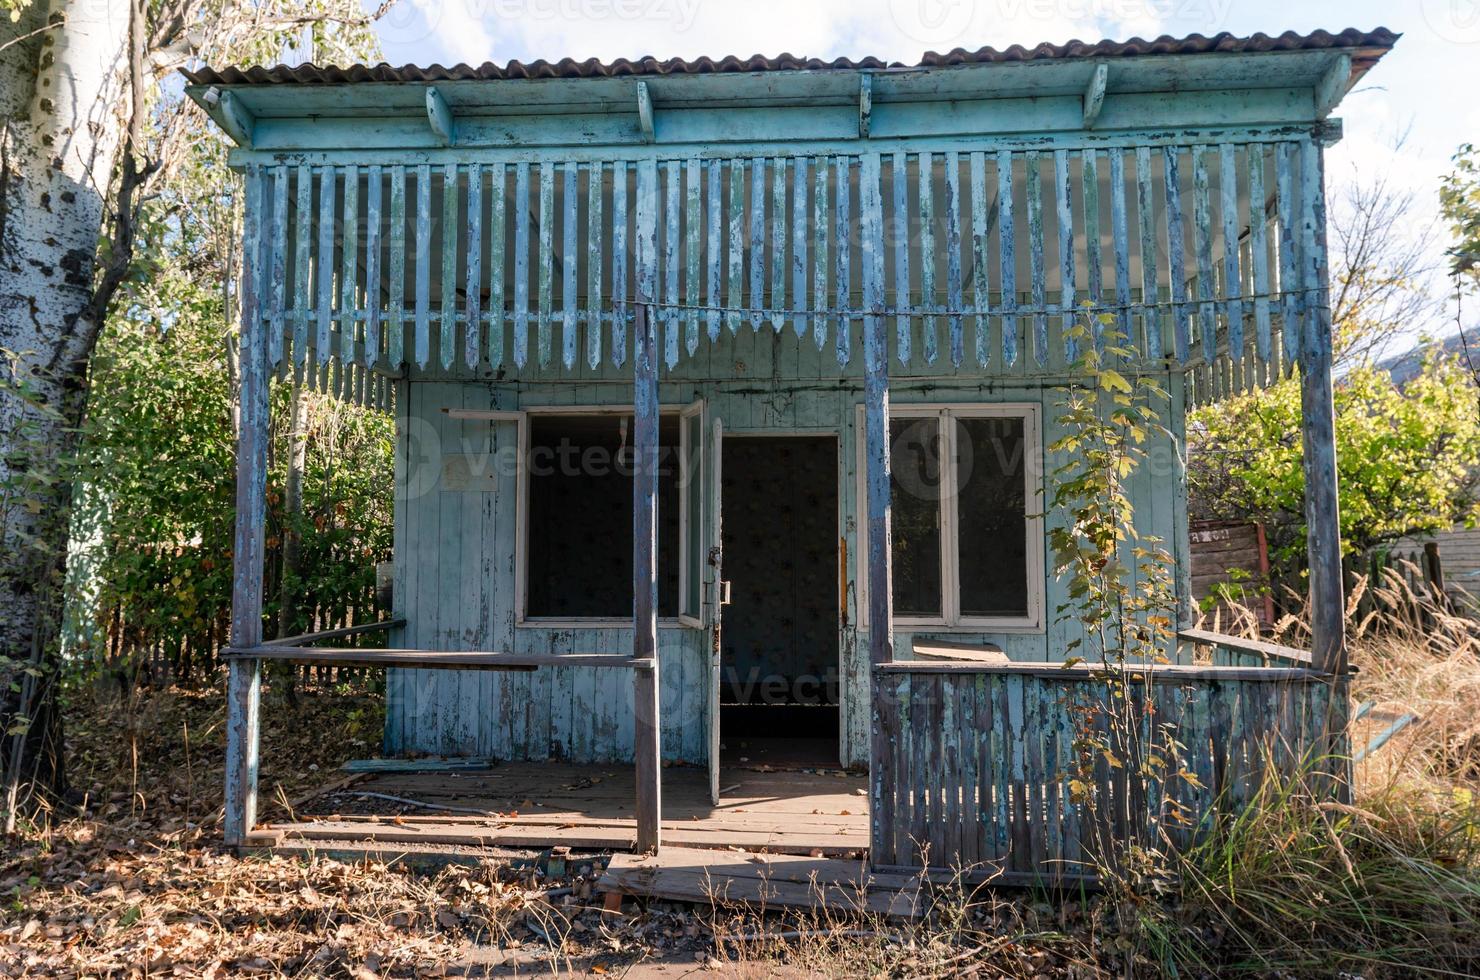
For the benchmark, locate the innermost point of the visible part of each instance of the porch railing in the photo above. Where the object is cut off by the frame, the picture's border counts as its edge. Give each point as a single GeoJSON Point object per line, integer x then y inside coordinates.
{"type": "Point", "coordinates": [983, 775]}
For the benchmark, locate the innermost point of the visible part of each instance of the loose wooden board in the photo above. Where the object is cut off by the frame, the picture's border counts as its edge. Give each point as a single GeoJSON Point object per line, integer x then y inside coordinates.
{"type": "Point", "coordinates": [764, 881]}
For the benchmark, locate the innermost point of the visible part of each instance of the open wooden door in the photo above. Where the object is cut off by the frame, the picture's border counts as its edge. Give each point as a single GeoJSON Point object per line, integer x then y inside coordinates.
{"type": "Point", "coordinates": [719, 597]}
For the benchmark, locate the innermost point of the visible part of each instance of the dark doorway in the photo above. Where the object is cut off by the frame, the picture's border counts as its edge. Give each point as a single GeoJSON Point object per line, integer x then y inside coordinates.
{"type": "Point", "coordinates": [779, 667]}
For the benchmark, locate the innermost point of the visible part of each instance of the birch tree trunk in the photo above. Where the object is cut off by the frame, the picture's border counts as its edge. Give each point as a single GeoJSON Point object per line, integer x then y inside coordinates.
{"type": "Point", "coordinates": [64, 99]}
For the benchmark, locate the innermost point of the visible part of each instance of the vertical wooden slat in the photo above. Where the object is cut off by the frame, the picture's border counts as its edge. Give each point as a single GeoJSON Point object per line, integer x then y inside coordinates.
{"type": "Point", "coordinates": [1090, 161]}
{"type": "Point", "coordinates": [423, 263]}
{"type": "Point", "coordinates": [1120, 238]}
{"type": "Point", "coordinates": [843, 232]}
{"type": "Point", "coordinates": [570, 206]}
{"type": "Point", "coordinates": [1289, 262]}
{"type": "Point", "coordinates": [713, 295]}
{"type": "Point", "coordinates": [1146, 218]}
{"type": "Point", "coordinates": [986, 768]}
{"type": "Point", "coordinates": [693, 224]}
{"type": "Point", "coordinates": [521, 264]}
{"type": "Point", "coordinates": [277, 268]}
{"type": "Point", "coordinates": [545, 272]}
{"type": "Point", "coordinates": [451, 220]}
{"type": "Point", "coordinates": [799, 237]}
{"type": "Point", "coordinates": [1203, 248]}
{"type": "Point", "coordinates": [1232, 277]}
{"type": "Point", "coordinates": [1021, 854]}
{"type": "Point", "coordinates": [646, 229]}
{"type": "Point", "coordinates": [372, 265]}
{"type": "Point", "coordinates": [1176, 277]}
{"type": "Point", "coordinates": [595, 233]}
{"type": "Point", "coordinates": [1259, 250]}
{"type": "Point", "coordinates": [896, 822]}
{"type": "Point", "coordinates": [244, 681]}
{"type": "Point", "coordinates": [922, 766]}
{"type": "Point", "coordinates": [619, 263]}
{"type": "Point", "coordinates": [1035, 255]}
{"type": "Point", "coordinates": [496, 252]}
{"type": "Point", "coordinates": [929, 342]}
{"type": "Point", "coordinates": [778, 244]}
{"type": "Point", "coordinates": [303, 259]}
{"type": "Point", "coordinates": [349, 244]}
{"type": "Point", "coordinates": [900, 182]}
{"type": "Point", "coordinates": [1001, 749]}
{"type": "Point", "coordinates": [736, 295]}
{"type": "Point", "coordinates": [981, 295]}
{"type": "Point", "coordinates": [472, 306]}
{"type": "Point", "coordinates": [1064, 199]}
{"type": "Point", "coordinates": [946, 829]}
{"type": "Point", "coordinates": [325, 279]}
{"type": "Point", "coordinates": [1007, 250]}
{"type": "Point", "coordinates": [820, 230]}
{"type": "Point", "coordinates": [396, 300]}
{"type": "Point", "coordinates": [757, 240]}
{"type": "Point", "coordinates": [671, 244]}
{"type": "Point", "coordinates": [953, 257]}
{"type": "Point", "coordinates": [967, 736]}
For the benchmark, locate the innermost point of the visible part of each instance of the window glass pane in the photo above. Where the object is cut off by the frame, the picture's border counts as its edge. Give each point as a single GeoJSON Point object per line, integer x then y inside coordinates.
{"type": "Point", "coordinates": [693, 494]}
{"type": "Point", "coordinates": [580, 516]}
{"type": "Point", "coordinates": [915, 485]}
{"type": "Point", "coordinates": [991, 509]}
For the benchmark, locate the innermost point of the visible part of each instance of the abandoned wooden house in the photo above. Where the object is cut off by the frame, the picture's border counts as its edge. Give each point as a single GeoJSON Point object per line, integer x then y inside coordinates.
{"type": "Point", "coordinates": [724, 391]}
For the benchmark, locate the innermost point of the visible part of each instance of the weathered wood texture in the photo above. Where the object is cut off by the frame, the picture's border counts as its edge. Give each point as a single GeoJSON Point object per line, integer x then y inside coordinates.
{"type": "Point", "coordinates": [1230, 565]}
{"type": "Point", "coordinates": [244, 678]}
{"type": "Point", "coordinates": [456, 560]}
{"type": "Point", "coordinates": [985, 758]}
{"type": "Point", "coordinates": [592, 806]}
{"type": "Point", "coordinates": [647, 747]}
{"type": "Point", "coordinates": [1199, 210]}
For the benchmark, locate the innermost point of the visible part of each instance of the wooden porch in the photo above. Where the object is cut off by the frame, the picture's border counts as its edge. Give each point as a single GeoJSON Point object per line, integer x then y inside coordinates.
{"type": "Point", "coordinates": [818, 813]}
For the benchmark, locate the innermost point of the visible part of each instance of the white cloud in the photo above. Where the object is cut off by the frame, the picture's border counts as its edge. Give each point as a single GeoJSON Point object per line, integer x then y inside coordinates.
{"type": "Point", "coordinates": [898, 30]}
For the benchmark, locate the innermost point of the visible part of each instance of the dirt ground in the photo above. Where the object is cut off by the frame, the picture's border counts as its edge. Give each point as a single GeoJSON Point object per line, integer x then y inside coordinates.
{"type": "Point", "coordinates": [136, 884]}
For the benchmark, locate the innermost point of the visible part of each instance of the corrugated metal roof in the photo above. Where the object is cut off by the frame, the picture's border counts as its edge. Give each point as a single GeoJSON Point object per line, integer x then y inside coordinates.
{"type": "Point", "coordinates": [307, 74]}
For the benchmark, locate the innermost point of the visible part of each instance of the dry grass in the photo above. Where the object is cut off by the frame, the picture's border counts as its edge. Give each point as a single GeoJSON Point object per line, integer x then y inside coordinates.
{"type": "Point", "coordinates": [1386, 886]}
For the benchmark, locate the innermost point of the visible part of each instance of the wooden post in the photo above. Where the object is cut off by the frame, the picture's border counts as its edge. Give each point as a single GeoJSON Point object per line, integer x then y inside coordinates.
{"type": "Point", "coordinates": [876, 440]}
{"type": "Point", "coordinates": [645, 518]}
{"type": "Point", "coordinates": [1433, 569]}
{"type": "Point", "coordinates": [1322, 516]}
{"type": "Point", "coordinates": [244, 679]}
{"type": "Point", "coordinates": [645, 577]}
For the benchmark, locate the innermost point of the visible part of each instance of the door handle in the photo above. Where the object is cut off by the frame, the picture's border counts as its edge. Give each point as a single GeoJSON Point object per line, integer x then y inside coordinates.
{"type": "Point", "coordinates": [724, 592]}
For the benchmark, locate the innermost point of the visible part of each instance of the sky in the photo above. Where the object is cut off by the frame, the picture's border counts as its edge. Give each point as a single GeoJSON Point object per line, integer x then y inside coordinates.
{"type": "Point", "coordinates": [1404, 120]}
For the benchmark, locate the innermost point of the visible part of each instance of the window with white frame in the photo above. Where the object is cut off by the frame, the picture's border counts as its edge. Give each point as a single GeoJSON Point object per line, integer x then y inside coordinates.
{"type": "Point", "coordinates": [966, 543]}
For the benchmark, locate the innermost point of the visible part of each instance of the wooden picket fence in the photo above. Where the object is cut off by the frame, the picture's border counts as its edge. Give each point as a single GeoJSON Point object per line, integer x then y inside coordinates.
{"type": "Point", "coordinates": [984, 776]}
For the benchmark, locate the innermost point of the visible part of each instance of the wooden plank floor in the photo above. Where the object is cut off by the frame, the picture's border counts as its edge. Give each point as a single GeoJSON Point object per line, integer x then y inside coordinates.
{"type": "Point", "coordinates": [539, 805]}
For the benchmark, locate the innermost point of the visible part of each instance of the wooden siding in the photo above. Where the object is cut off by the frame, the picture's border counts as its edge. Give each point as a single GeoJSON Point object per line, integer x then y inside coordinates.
{"type": "Point", "coordinates": [455, 560]}
{"type": "Point", "coordinates": [1230, 560]}
{"type": "Point", "coordinates": [978, 773]}
{"type": "Point", "coordinates": [503, 263]}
